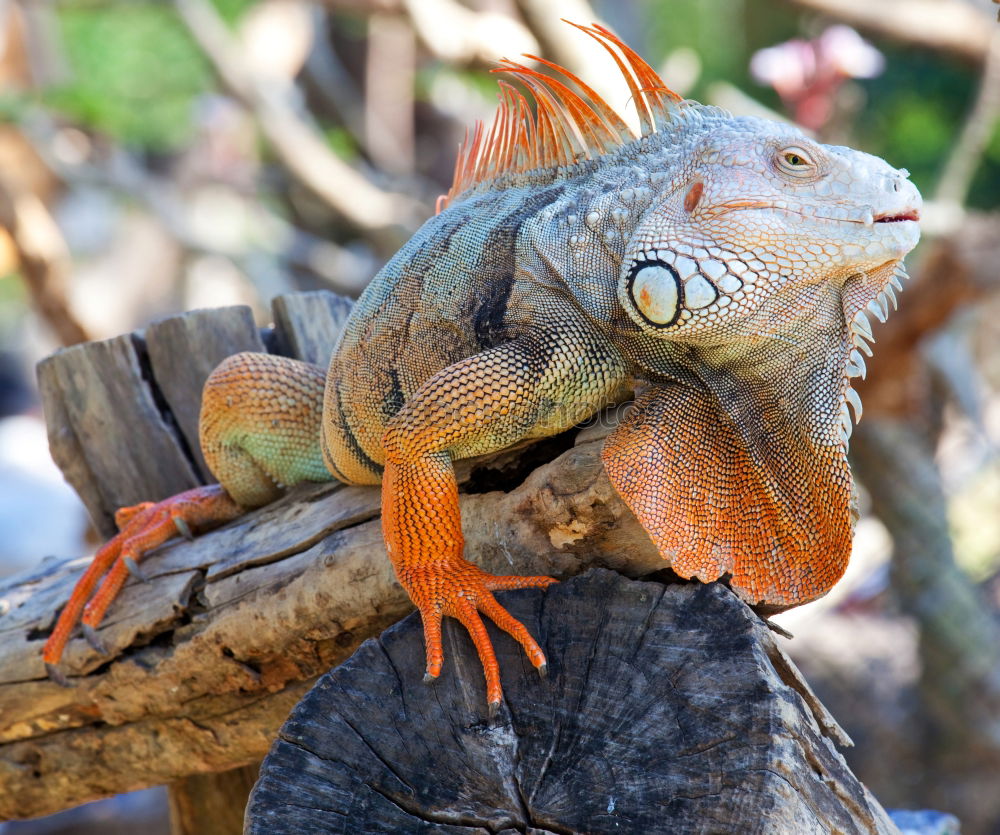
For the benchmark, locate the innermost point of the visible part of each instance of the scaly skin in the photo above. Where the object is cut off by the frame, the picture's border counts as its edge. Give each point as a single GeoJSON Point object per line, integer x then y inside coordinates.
{"type": "Point", "coordinates": [719, 266]}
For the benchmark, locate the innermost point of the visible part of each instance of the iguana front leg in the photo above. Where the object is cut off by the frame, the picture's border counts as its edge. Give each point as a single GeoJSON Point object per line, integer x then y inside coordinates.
{"type": "Point", "coordinates": [532, 387]}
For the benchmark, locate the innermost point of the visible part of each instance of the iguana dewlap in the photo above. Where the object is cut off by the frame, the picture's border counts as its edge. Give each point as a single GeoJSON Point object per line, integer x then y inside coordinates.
{"type": "Point", "coordinates": [719, 266]}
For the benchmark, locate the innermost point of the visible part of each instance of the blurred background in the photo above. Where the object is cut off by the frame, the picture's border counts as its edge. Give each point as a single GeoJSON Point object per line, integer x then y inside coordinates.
{"type": "Point", "coordinates": [159, 156]}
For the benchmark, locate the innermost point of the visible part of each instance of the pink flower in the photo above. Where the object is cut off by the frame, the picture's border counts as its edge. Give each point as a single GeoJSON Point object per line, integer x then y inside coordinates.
{"type": "Point", "coordinates": [807, 74]}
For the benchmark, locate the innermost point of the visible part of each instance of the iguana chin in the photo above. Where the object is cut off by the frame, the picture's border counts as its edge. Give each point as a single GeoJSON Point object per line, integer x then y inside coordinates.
{"type": "Point", "coordinates": [720, 266]}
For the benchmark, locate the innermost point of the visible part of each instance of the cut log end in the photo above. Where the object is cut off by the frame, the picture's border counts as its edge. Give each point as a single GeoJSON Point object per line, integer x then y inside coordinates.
{"type": "Point", "coordinates": [665, 707]}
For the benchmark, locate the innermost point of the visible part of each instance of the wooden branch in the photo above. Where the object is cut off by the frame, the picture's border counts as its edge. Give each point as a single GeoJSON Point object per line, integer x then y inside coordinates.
{"type": "Point", "coordinates": [43, 259]}
{"type": "Point", "coordinates": [457, 34]}
{"type": "Point", "coordinates": [206, 660]}
{"type": "Point", "coordinates": [953, 26]}
{"type": "Point", "coordinates": [967, 152]}
{"type": "Point", "coordinates": [666, 709]}
{"type": "Point", "coordinates": [341, 269]}
{"type": "Point", "coordinates": [390, 67]}
{"type": "Point", "coordinates": [211, 802]}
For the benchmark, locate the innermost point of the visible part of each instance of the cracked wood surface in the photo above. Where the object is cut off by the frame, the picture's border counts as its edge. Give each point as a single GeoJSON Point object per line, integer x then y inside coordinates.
{"type": "Point", "coordinates": [206, 660]}
{"type": "Point", "coordinates": [666, 709]}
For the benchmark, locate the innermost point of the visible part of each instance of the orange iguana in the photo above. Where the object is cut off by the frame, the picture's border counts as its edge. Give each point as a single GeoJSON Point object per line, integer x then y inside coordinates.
{"type": "Point", "coordinates": [719, 266]}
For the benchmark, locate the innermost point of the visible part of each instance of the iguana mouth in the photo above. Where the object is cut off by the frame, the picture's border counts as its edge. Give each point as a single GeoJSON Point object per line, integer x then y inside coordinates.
{"type": "Point", "coordinates": [867, 219]}
{"type": "Point", "coordinates": [912, 214]}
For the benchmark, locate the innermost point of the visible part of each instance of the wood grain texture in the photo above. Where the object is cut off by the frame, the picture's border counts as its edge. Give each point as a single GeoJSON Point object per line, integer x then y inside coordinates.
{"type": "Point", "coordinates": [666, 709]}
{"type": "Point", "coordinates": [64, 445]}
{"type": "Point", "coordinates": [122, 414]}
{"type": "Point", "coordinates": [131, 449]}
{"type": "Point", "coordinates": [308, 325]}
{"type": "Point", "coordinates": [184, 350]}
{"type": "Point", "coordinates": [216, 798]}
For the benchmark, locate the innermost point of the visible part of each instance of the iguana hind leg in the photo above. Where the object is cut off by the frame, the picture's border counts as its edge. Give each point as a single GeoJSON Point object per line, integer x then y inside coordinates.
{"type": "Point", "coordinates": [260, 431]}
{"type": "Point", "coordinates": [532, 387]}
{"type": "Point", "coordinates": [143, 527]}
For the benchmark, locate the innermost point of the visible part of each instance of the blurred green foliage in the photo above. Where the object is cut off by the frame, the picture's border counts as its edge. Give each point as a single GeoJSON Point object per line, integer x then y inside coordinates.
{"type": "Point", "coordinates": [135, 73]}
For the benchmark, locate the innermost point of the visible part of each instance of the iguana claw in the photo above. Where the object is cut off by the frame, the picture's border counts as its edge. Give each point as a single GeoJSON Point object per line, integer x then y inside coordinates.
{"type": "Point", "coordinates": [91, 635]}
{"type": "Point", "coordinates": [143, 527]}
{"type": "Point", "coordinates": [134, 570]}
{"type": "Point", "coordinates": [56, 675]}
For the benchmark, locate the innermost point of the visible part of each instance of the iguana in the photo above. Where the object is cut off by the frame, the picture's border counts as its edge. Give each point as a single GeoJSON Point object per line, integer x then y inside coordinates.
{"type": "Point", "coordinates": [719, 267]}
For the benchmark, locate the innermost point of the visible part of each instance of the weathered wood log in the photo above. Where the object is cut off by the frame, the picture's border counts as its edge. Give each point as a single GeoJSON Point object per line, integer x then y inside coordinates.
{"type": "Point", "coordinates": [666, 709]}
{"type": "Point", "coordinates": [206, 660]}
{"type": "Point", "coordinates": [107, 432]}
{"type": "Point", "coordinates": [184, 350]}
{"type": "Point", "coordinates": [306, 325]}
{"type": "Point", "coordinates": [122, 414]}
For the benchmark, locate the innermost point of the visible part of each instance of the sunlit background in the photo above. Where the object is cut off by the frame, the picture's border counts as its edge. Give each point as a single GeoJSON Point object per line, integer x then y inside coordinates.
{"type": "Point", "coordinates": [162, 156]}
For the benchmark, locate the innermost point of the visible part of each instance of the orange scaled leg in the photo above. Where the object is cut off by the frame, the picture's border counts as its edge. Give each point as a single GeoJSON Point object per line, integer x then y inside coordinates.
{"type": "Point", "coordinates": [420, 519]}
{"type": "Point", "coordinates": [142, 528]}
{"type": "Point", "coordinates": [484, 403]}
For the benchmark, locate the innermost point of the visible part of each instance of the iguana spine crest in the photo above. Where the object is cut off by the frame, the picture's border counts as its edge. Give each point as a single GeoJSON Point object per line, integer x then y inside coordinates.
{"type": "Point", "coordinates": [567, 126]}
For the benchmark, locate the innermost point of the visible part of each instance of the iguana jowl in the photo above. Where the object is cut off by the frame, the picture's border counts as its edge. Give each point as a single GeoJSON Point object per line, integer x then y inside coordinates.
{"type": "Point", "coordinates": [719, 266]}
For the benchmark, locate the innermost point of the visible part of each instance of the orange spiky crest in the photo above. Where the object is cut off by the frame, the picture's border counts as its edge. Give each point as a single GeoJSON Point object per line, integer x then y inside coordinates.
{"type": "Point", "coordinates": [567, 126]}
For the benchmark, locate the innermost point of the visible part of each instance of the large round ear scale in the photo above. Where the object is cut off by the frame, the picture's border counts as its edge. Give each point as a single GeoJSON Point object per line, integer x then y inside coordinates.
{"type": "Point", "coordinates": [656, 291]}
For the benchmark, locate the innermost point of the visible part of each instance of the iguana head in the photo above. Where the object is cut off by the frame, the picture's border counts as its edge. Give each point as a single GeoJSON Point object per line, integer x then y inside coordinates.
{"type": "Point", "coordinates": [754, 212]}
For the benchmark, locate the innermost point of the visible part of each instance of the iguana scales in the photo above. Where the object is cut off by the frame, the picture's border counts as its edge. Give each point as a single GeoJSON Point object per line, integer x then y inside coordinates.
{"type": "Point", "coordinates": [720, 267]}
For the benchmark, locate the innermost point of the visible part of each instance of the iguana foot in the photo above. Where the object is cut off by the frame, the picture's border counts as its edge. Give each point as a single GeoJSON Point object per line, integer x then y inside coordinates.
{"type": "Point", "coordinates": [142, 528]}
{"type": "Point", "coordinates": [461, 590]}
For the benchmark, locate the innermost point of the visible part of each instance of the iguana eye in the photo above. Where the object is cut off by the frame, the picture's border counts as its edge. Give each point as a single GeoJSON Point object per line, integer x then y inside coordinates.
{"type": "Point", "coordinates": [795, 162]}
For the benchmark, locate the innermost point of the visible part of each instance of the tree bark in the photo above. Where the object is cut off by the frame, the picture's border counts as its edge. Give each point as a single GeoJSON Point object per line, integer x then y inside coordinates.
{"type": "Point", "coordinates": [211, 803]}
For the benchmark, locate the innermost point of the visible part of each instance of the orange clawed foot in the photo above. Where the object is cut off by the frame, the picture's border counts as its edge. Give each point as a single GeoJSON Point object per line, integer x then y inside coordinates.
{"type": "Point", "coordinates": [462, 590]}
{"type": "Point", "coordinates": [142, 528]}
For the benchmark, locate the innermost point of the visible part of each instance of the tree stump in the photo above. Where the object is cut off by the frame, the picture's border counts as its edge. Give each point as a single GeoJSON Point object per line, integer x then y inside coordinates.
{"type": "Point", "coordinates": [666, 709]}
